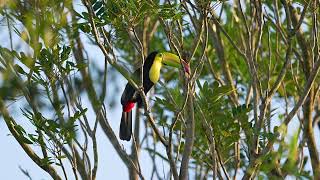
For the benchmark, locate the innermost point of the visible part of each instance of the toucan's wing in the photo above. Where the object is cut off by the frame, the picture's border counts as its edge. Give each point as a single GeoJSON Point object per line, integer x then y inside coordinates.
{"type": "Point", "coordinates": [127, 94]}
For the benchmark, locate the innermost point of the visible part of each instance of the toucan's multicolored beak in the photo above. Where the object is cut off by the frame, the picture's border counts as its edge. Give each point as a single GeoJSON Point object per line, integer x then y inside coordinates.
{"type": "Point", "coordinates": [174, 61]}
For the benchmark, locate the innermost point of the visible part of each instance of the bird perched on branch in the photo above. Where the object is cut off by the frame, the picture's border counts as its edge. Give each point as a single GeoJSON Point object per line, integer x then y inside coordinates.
{"type": "Point", "coordinates": [151, 75]}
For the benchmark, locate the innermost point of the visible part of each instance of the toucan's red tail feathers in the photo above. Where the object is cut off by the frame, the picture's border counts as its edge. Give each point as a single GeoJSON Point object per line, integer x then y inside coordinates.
{"type": "Point", "coordinates": [129, 106]}
{"type": "Point", "coordinates": [126, 126]}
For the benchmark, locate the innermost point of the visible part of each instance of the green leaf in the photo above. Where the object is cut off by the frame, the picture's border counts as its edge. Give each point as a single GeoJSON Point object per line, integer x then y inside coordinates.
{"type": "Point", "coordinates": [85, 15]}
{"type": "Point", "coordinates": [46, 161]}
{"type": "Point", "coordinates": [53, 126]}
{"type": "Point", "coordinates": [65, 53]}
{"type": "Point", "coordinates": [81, 65]}
{"type": "Point", "coordinates": [25, 140]}
{"type": "Point", "coordinates": [84, 27]}
{"type": "Point", "coordinates": [97, 5]}
{"type": "Point", "coordinates": [100, 12]}
{"type": "Point", "coordinates": [19, 69]}
{"type": "Point", "coordinates": [169, 106]}
{"type": "Point", "coordinates": [33, 137]}
{"type": "Point", "coordinates": [20, 129]}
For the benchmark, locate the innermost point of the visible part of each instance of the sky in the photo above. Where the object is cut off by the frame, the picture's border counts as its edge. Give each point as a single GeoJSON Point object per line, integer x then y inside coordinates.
{"type": "Point", "coordinates": [110, 165]}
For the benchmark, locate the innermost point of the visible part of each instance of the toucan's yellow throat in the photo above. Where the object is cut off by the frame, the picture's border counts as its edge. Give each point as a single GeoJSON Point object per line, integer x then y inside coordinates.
{"type": "Point", "coordinates": [154, 72]}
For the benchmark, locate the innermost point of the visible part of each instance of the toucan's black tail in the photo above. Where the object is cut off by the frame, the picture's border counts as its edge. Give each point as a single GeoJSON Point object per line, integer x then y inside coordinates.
{"type": "Point", "coordinates": [126, 126]}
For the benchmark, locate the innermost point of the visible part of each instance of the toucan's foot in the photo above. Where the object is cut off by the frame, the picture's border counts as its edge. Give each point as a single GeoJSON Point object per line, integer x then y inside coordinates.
{"type": "Point", "coordinates": [141, 88]}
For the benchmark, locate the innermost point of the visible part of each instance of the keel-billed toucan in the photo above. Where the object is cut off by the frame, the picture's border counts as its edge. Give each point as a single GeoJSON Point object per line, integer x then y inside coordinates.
{"type": "Point", "coordinates": [151, 74]}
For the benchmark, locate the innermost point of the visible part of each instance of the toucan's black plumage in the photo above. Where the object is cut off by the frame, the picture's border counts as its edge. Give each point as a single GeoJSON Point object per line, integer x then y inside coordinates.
{"type": "Point", "coordinates": [151, 74]}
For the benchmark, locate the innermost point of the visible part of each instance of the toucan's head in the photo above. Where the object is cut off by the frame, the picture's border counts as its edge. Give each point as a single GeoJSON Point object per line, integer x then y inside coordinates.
{"type": "Point", "coordinates": [172, 60]}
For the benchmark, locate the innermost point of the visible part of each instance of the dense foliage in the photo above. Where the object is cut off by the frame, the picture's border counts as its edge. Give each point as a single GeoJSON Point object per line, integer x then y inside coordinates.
{"type": "Point", "coordinates": [249, 109]}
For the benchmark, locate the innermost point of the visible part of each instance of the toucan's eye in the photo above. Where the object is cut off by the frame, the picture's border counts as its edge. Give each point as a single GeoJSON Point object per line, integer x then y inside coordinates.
{"type": "Point", "coordinates": [160, 55]}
